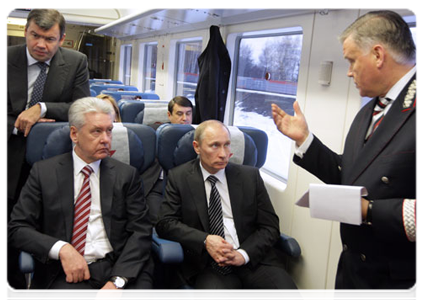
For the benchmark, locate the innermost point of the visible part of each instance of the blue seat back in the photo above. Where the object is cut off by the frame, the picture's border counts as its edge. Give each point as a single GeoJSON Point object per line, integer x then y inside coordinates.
{"type": "Point", "coordinates": [131, 95]}
{"type": "Point", "coordinates": [174, 145]}
{"type": "Point", "coordinates": [104, 81]}
{"type": "Point", "coordinates": [143, 111]}
{"type": "Point", "coordinates": [131, 143]}
{"type": "Point", "coordinates": [98, 88]}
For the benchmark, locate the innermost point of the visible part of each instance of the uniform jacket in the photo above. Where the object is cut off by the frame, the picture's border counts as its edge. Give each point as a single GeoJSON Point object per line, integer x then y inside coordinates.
{"type": "Point", "coordinates": [44, 215]}
{"type": "Point", "coordinates": [386, 166]}
{"type": "Point", "coordinates": [183, 215]}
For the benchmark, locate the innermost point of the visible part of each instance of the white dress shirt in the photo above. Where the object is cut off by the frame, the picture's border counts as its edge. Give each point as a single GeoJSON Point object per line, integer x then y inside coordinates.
{"type": "Point", "coordinates": [97, 245]}
{"type": "Point", "coordinates": [231, 235]}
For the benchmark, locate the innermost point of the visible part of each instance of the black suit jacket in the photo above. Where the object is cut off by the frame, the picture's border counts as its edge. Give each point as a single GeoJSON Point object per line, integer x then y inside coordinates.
{"type": "Point", "coordinates": [44, 215]}
{"type": "Point", "coordinates": [183, 215]}
{"type": "Point", "coordinates": [212, 87]}
{"type": "Point", "coordinates": [386, 166]}
{"type": "Point", "coordinates": [67, 81]}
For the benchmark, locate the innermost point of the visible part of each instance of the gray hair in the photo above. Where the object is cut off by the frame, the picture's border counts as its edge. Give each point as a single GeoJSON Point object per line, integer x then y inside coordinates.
{"type": "Point", "coordinates": [198, 134]}
{"type": "Point", "coordinates": [387, 28]}
{"type": "Point", "coordinates": [47, 18]}
{"type": "Point", "coordinates": [86, 105]}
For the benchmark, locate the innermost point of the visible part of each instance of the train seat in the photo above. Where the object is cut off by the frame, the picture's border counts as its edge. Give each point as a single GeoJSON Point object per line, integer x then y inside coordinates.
{"type": "Point", "coordinates": [131, 143]}
{"type": "Point", "coordinates": [131, 95]}
{"type": "Point", "coordinates": [98, 88]}
{"type": "Point", "coordinates": [174, 147]}
{"type": "Point", "coordinates": [143, 111]}
{"type": "Point", "coordinates": [104, 81]}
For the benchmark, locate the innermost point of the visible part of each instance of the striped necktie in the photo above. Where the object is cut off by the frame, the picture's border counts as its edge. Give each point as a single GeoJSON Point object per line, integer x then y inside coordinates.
{"type": "Point", "coordinates": [82, 212]}
{"type": "Point", "coordinates": [378, 114]}
{"type": "Point", "coordinates": [37, 92]}
{"type": "Point", "coordinates": [216, 219]}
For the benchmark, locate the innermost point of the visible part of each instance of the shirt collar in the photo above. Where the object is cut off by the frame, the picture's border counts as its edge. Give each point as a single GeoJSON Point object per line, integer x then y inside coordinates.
{"type": "Point", "coordinates": [33, 61]}
{"type": "Point", "coordinates": [399, 86]}
{"type": "Point", "coordinates": [220, 175]}
{"type": "Point", "coordinates": [79, 164]}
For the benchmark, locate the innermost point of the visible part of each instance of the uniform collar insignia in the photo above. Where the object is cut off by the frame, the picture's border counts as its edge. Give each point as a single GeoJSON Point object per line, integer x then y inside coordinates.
{"type": "Point", "coordinates": [408, 100]}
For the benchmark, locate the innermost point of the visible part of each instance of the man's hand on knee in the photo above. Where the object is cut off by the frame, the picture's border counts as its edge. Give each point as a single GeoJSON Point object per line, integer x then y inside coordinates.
{"type": "Point", "coordinates": [74, 264]}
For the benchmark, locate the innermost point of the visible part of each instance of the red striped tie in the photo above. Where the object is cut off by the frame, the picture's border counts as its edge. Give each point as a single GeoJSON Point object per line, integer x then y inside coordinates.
{"type": "Point", "coordinates": [378, 114]}
{"type": "Point", "coordinates": [82, 212]}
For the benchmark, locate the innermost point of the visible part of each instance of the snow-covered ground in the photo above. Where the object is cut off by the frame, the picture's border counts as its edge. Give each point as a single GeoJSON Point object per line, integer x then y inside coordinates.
{"type": "Point", "coordinates": [279, 147]}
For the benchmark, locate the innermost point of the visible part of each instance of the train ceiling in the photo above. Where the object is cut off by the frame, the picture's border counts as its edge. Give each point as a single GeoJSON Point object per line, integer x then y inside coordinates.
{"type": "Point", "coordinates": [165, 21]}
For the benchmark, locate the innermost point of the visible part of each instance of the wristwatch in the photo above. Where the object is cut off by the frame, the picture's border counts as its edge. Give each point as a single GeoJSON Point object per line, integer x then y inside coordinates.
{"type": "Point", "coordinates": [119, 281]}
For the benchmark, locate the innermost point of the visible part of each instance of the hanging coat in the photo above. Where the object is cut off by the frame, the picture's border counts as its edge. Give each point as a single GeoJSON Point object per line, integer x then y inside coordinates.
{"type": "Point", "coordinates": [212, 87]}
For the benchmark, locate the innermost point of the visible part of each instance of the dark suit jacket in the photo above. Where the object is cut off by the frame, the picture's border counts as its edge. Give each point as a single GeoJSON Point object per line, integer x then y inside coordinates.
{"type": "Point", "coordinates": [67, 81]}
{"type": "Point", "coordinates": [212, 87]}
{"type": "Point", "coordinates": [44, 215]}
{"type": "Point", "coordinates": [386, 166]}
{"type": "Point", "coordinates": [183, 215]}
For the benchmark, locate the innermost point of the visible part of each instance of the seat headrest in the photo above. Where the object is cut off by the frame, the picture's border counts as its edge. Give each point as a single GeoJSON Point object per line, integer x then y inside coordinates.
{"type": "Point", "coordinates": [134, 144]}
{"type": "Point", "coordinates": [174, 146]}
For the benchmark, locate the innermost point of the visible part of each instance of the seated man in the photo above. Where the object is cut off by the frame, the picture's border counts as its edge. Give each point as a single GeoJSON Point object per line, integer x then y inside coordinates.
{"type": "Point", "coordinates": [179, 112]}
{"type": "Point", "coordinates": [222, 215]}
{"type": "Point", "coordinates": [82, 214]}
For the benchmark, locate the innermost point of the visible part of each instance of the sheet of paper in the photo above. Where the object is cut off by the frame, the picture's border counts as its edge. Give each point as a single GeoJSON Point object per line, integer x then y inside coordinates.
{"type": "Point", "coordinates": [334, 202]}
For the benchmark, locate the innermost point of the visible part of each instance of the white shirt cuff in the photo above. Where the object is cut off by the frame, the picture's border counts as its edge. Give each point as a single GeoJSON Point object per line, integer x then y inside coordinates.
{"type": "Point", "coordinates": [302, 149]}
{"type": "Point", "coordinates": [54, 251]}
{"type": "Point", "coordinates": [43, 109]}
{"type": "Point", "coordinates": [245, 255]}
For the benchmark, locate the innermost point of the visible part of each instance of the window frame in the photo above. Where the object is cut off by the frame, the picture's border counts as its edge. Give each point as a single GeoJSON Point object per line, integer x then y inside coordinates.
{"type": "Point", "coordinates": [286, 31]}
{"type": "Point", "coordinates": [176, 66]}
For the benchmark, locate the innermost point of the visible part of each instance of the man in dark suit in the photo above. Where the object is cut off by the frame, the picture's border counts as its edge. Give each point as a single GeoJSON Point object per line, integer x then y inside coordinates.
{"type": "Point", "coordinates": [249, 225]}
{"type": "Point", "coordinates": [380, 253]}
{"type": "Point", "coordinates": [67, 80]}
{"type": "Point", "coordinates": [115, 251]}
{"type": "Point", "coordinates": [179, 111]}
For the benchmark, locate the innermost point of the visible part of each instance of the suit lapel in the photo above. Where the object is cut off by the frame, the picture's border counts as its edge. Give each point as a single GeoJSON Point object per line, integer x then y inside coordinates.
{"type": "Point", "coordinates": [56, 77]}
{"type": "Point", "coordinates": [198, 193]}
{"type": "Point", "coordinates": [18, 85]}
{"type": "Point", "coordinates": [107, 180]}
{"type": "Point", "coordinates": [397, 115]}
{"type": "Point", "coordinates": [236, 196]}
{"type": "Point", "coordinates": [64, 173]}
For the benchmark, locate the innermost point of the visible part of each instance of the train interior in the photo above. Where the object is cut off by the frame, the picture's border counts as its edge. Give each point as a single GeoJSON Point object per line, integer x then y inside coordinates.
{"type": "Point", "coordinates": [277, 55]}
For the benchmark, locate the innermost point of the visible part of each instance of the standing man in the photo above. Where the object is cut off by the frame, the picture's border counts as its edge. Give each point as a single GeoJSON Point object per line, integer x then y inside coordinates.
{"type": "Point", "coordinates": [223, 218]}
{"type": "Point", "coordinates": [82, 215]}
{"type": "Point", "coordinates": [380, 154]}
{"type": "Point", "coordinates": [42, 81]}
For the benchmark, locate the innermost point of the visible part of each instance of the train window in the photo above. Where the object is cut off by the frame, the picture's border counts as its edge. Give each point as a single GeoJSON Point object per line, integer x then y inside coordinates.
{"type": "Point", "coordinates": [267, 70]}
{"type": "Point", "coordinates": [149, 70]}
{"type": "Point", "coordinates": [126, 63]}
{"type": "Point", "coordinates": [187, 71]}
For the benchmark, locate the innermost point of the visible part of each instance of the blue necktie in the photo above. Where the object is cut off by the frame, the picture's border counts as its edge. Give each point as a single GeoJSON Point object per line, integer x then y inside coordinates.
{"type": "Point", "coordinates": [37, 92]}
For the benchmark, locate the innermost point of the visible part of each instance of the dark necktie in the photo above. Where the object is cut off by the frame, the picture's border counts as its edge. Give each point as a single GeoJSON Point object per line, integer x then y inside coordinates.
{"type": "Point", "coordinates": [82, 212]}
{"type": "Point", "coordinates": [216, 219]}
{"type": "Point", "coordinates": [378, 114]}
{"type": "Point", "coordinates": [37, 92]}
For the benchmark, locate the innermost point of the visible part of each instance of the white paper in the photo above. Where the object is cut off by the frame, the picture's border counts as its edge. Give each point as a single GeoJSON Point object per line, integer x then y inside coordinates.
{"type": "Point", "coordinates": [334, 202]}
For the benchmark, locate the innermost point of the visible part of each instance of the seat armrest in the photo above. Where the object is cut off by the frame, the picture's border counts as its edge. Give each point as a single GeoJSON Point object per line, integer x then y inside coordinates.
{"type": "Point", "coordinates": [289, 245]}
{"type": "Point", "coordinates": [168, 252]}
{"type": "Point", "coordinates": [26, 263]}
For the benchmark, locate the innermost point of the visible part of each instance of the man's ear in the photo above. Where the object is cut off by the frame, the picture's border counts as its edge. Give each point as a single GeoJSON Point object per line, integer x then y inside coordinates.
{"type": "Point", "coordinates": [196, 146]}
{"type": "Point", "coordinates": [379, 55]}
{"type": "Point", "coordinates": [74, 134]}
